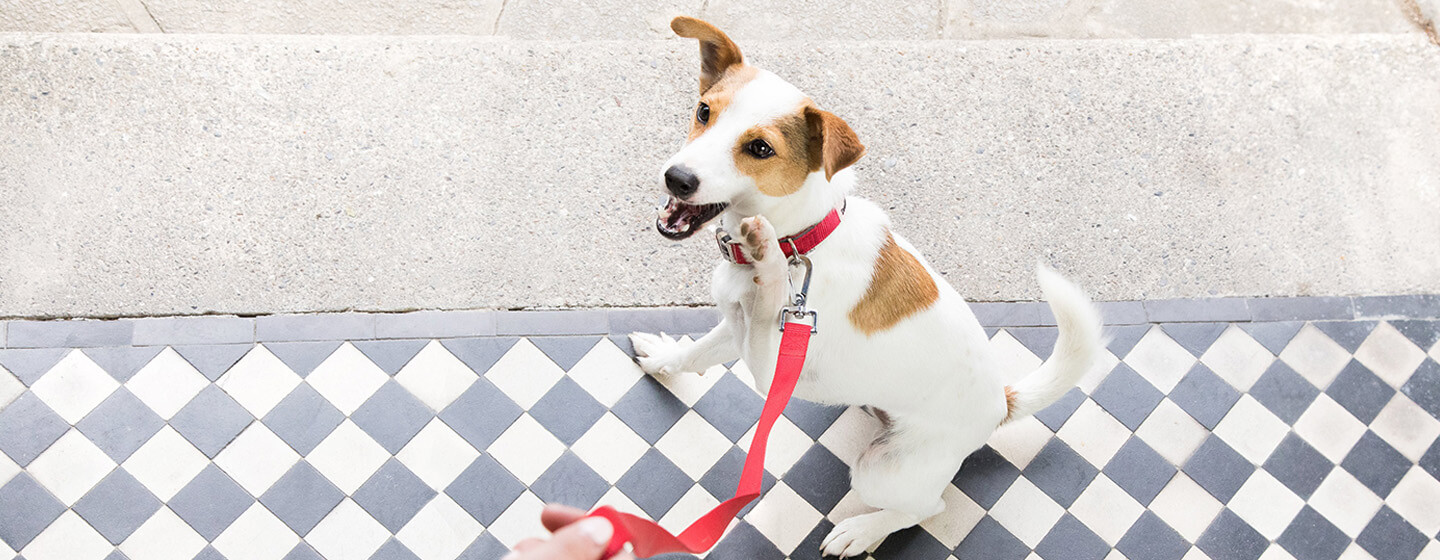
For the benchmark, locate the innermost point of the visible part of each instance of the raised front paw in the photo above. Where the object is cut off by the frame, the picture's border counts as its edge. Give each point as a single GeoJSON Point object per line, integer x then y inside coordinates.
{"type": "Point", "coordinates": [757, 239]}
{"type": "Point", "coordinates": [657, 354]}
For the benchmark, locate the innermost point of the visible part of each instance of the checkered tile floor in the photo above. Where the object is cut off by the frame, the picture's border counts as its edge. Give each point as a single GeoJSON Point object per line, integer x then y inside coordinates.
{"type": "Point", "coordinates": [1275, 440]}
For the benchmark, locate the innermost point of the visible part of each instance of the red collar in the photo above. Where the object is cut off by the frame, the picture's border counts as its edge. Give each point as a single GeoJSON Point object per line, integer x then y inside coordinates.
{"type": "Point", "coordinates": [800, 243]}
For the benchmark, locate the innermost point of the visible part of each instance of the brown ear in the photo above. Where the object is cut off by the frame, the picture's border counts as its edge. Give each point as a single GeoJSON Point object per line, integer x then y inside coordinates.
{"type": "Point", "coordinates": [717, 52]}
{"type": "Point", "coordinates": [833, 146]}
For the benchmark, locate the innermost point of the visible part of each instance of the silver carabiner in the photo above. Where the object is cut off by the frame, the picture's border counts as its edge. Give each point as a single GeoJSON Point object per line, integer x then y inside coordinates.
{"type": "Point", "coordinates": [796, 309]}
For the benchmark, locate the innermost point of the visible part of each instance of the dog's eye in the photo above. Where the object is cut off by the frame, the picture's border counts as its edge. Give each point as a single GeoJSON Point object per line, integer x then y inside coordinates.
{"type": "Point", "coordinates": [702, 113]}
{"type": "Point", "coordinates": [760, 149]}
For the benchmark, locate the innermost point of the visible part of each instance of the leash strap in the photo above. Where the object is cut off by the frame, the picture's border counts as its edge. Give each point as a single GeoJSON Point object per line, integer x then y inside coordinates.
{"type": "Point", "coordinates": [649, 539]}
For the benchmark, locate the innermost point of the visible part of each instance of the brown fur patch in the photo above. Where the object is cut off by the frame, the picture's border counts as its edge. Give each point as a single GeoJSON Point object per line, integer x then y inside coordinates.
{"type": "Point", "coordinates": [717, 52]}
{"type": "Point", "coordinates": [899, 288]}
{"type": "Point", "coordinates": [785, 172]}
{"type": "Point", "coordinates": [1010, 403]}
{"type": "Point", "coordinates": [718, 96]}
{"type": "Point", "coordinates": [833, 144]}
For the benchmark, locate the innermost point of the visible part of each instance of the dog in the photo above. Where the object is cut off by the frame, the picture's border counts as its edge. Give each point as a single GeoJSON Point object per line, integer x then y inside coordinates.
{"type": "Point", "coordinates": [766, 163]}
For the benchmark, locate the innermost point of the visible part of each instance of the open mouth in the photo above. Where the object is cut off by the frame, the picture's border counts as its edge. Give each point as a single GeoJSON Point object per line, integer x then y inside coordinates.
{"type": "Point", "coordinates": [678, 220]}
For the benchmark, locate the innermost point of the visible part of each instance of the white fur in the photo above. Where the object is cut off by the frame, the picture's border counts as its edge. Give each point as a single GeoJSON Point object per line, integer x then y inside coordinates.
{"type": "Point", "coordinates": [933, 373]}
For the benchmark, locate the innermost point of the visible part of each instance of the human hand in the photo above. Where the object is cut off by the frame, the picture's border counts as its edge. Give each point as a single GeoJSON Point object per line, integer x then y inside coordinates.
{"type": "Point", "coordinates": [575, 538]}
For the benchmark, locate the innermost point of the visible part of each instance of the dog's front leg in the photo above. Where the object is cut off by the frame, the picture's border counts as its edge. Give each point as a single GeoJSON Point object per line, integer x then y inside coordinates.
{"type": "Point", "coordinates": [663, 355]}
{"type": "Point", "coordinates": [762, 308]}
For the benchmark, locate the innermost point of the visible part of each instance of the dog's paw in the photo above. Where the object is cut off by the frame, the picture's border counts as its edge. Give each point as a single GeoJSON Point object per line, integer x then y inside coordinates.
{"type": "Point", "coordinates": [757, 238]}
{"type": "Point", "coordinates": [656, 354]}
{"type": "Point", "coordinates": [857, 535]}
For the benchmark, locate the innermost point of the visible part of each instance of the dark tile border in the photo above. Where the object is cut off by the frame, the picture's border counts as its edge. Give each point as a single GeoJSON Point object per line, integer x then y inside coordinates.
{"type": "Point", "coordinates": [223, 329]}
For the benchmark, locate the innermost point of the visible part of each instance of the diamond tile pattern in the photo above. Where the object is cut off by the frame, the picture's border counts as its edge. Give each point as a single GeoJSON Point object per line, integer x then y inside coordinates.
{"type": "Point", "coordinates": [416, 466]}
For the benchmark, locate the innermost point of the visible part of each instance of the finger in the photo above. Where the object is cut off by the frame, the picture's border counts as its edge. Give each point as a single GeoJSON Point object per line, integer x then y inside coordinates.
{"type": "Point", "coordinates": [528, 545]}
{"type": "Point", "coordinates": [556, 516]}
{"type": "Point", "coordinates": [585, 539]}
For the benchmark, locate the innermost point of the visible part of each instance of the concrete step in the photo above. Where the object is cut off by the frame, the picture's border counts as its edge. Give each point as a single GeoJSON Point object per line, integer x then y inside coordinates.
{"type": "Point", "coordinates": [167, 174]}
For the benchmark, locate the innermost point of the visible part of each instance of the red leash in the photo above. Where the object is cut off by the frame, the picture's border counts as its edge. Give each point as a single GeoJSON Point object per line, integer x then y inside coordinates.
{"type": "Point", "coordinates": [649, 539]}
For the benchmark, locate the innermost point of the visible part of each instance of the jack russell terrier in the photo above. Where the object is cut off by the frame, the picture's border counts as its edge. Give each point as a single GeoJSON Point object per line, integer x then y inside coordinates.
{"type": "Point", "coordinates": [892, 334]}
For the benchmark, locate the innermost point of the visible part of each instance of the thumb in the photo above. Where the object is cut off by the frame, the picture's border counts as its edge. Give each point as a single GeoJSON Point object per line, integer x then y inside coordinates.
{"type": "Point", "coordinates": [582, 540]}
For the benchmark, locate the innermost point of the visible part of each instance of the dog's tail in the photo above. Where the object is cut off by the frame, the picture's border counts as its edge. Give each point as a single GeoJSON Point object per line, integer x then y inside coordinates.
{"type": "Point", "coordinates": [1076, 350]}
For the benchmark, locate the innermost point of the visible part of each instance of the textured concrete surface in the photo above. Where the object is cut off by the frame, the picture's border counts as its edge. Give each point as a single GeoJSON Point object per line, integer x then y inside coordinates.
{"type": "Point", "coordinates": [179, 174]}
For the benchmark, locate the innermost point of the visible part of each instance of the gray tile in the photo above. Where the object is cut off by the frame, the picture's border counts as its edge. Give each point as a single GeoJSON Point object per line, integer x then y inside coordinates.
{"type": "Point", "coordinates": [654, 483]}
{"type": "Point", "coordinates": [213, 360]}
{"type": "Point", "coordinates": [1310, 535]}
{"type": "Point", "coordinates": [567, 410]}
{"type": "Point", "coordinates": [1151, 539]}
{"type": "Point", "coordinates": [558, 322]}
{"type": "Point", "coordinates": [1423, 333]}
{"type": "Point", "coordinates": [1039, 340]}
{"type": "Point", "coordinates": [744, 542]}
{"type": "Point", "coordinates": [1298, 466]}
{"type": "Point", "coordinates": [731, 406]}
{"type": "Point", "coordinates": [1273, 336]}
{"type": "Point", "coordinates": [1230, 538]}
{"type": "Point", "coordinates": [120, 425]}
{"type": "Point", "coordinates": [1284, 392]}
{"type": "Point", "coordinates": [393, 495]}
{"type": "Point", "coordinates": [1360, 391]}
{"type": "Point", "coordinates": [913, 543]}
{"type": "Point", "coordinates": [302, 551]}
{"type": "Point", "coordinates": [724, 476]}
{"type": "Point", "coordinates": [30, 364]}
{"type": "Point", "coordinates": [813, 419]}
{"type": "Point", "coordinates": [211, 502]}
{"type": "Point", "coordinates": [1407, 307]}
{"type": "Point", "coordinates": [1195, 337]}
{"type": "Point", "coordinates": [211, 420]}
{"type": "Point", "coordinates": [114, 555]}
{"type": "Point", "coordinates": [819, 477]}
{"type": "Point", "coordinates": [1204, 395]}
{"type": "Point", "coordinates": [303, 418]}
{"type": "Point", "coordinates": [1301, 309]}
{"type": "Point", "coordinates": [1348, 334]}
{"type": "Point", "coordinates": [479, 353]}
{"type": "Point", "coordinates": [435, 324]}
{"type": "Point", "coordinates": [985, 476]}
{"type": "Point", "coordinates": [1127, 396]}
{"type": "Point", "coordinates": [565, 351]}
{"type": "Point", "coordinates": [481, 413]}
{"type": "Point", "coordinates": [1055, 415]}
{"type": "Point", "coordinates": [70, 333]}
{"type": "Point", "coordinates": [1376, 464]}
{"type": "Point", "coordinates": [302, 357]}
{"type": "Point", "coordinates": [1124, 338]}
{"type": "Point", "coordinates": [1019, 314]}
{"type": "Point", "coordinates": [26, 509]}
{"type": "Point", "coordinates": [485, 547]}
{"type": "Point", "coordinates": [650, 409]}
{"type": "Point", "coordinates": [990, 540]}
{"type": "Point", "coordinates": [689, 319]}
{"type": "Point", "coordinates": [1070, 539]}
{"type": "Point", "coordinates": [1390, 537]}
{"type": "Point", "coordinates": [1060, 472]}
{"type": "Point", "coordinates": [325, 326]}
{"type": "Point", "coordinates": [1123, 312]}
{"type": "Point", "coordinates": [1218, 468]}
{"type": "Point", "coordinates": [122, 362]}
{"type": "Point", "coordinates": [209, 553]}
{"type": "Point", "coordinates": [1424, 387]}
{"type": "Point", "coordinates": [1197, 310]}
{"type": "Point", "coordinates": [302, 497]}
{"type": "Point", "coordinates": [390, 355]}
{"type": "Point", "coordinates": [1139, 470]}
{"type": "Point", "coordinates": [571, 482]}
{"type": "Point", "coordinates": [171, 331]}
{"type": "Point", "coordinates": [117, 506]}
{"type": "Point", "coordinates": [392, 416]}
{"type": "Point", "coordinates": [485, 489]}
{"type": "Point", "coordinates": [393, 550]}
{"type": "Point", "coordinates": [28, 427]}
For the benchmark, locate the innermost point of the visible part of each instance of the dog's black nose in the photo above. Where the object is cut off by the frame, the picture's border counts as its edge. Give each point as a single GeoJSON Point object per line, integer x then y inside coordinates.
{"type": "Point", "coordinates": [681, 181]}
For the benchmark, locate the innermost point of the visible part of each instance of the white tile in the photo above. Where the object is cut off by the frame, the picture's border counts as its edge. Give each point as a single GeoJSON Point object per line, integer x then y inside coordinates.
{"type": "Point", "coordinates": [618, 500]}
{"type": "Point", "coordinates": [8, 470]}
{"type": "Point", "coordinates": [74, 386]}
{"type": "Point", "coordinates": [1195, 554]}
{"type": "Point", "coordinates": [347, 378]}
{"type": "Point", "coordinates": [1432, 550]}
{"type": "Point", "coordinates": [691, 387]}
{"type": "Point", "coordinates": [167, 383]}
{"type": "Point", "coordinates": [1417, 499]}
{"type": "Point", "coordinates": [783, 517]}
{"type": "Point", "coordinates": [10, 387]}
{"type": "Point", "coordinates": [526, 449]}
{"type": "Point", "coordinates": [1106, 509]}
{"type": "Point", "coordinates": [1345, 501]}
{"type": "Point", "coordinates": [348, 456]}
{"type": "Point", "coordinates": [1172, 432]}
{"type": "Point", "coordinates": [1186, 507]}
{"type": "Point", "coordinates": [1104, 364]}
{"type": "Point", "coordinates": [849, 506]}
{"type": "Point", "coordinates": [1266, 504]}
{"type": "Point", "coordinates": [1160, 360]}
{"type": "Point", "coordinates": [1355, 552]}
{"type": "Point", "coordinates": [68, 538]}
{"type": "Point", "coordinates": [1405, 425]}
{"type": "Point", "coordinates": [741, 371]}
{"type": "Point", "coordinates": [1330, 428]}
{"type": "Point", "coordinates": [1011, 358]}
{"type": "Point", "coordinates": [693, 445]}
{"type": "Point", "coordinates": [610, 448]}
{"type": "Point", "coordinates": [606, 373]}
{"type": "Point", "coordinates": [1390, 355]}
{"type": "Point", "coordinates": [71, 467]}
{"type": "Point", "coordinates": [259, 381]}
{"type": "Point", "coordinates": [347, 533]}
{"type": "Point", "coordinates": [257, 458]}
{"type": "Point", "coordinates": [695, 503]}
{"type": "Point", "coordinates": [960, 516]}
{"type": "Point", "coordinates": [437, 455]}
{"type": "Point", "coordinates": [1313, 355]}
{"type": "Point", "coordinates": [163, 537]}
{"type": "Point", "coordinates": [436, 376]}
{"type": "Point", "coordinates": [850, 434]}
{"type": "Point", "coordinates": [1276, 552]}
{"type": "Point", "coordinates": [1093, 433]}
{"type": "Point", "coordinates": [1252, 429]}
{"type": "Point", "coordinates": [5, 550]}
{"type": "Point", "coordinates": [787, 444]}
{"type": "Point", "coordinates": [1237, 358]}
{"type": "Point", "coordinates": [520, 521]}
{"type": "Point", "coordinates": [441, 530]}
{"type": "Point", "coordinates": [524, 374]}
{"type": "Point", "coordinates": [256, 535]}
{"type": "Point", "coordinates": [1434, 353]}
{"type": "Point", "coordinates": [166, 463]}
{"type": "Point", "coordinates": [1027, 512]}
{"type": "Point", "coordinates": [1114, 555]}
{"type": "Point", "coordinates": [1021, 440]}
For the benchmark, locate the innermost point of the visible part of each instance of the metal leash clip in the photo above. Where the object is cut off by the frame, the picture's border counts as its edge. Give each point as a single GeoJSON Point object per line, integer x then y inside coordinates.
{"type": "Point", "coordinates": [796, 311]}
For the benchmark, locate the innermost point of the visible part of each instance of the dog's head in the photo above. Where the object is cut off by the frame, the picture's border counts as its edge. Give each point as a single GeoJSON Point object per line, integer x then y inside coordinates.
{"type": "Point", "coordinates": [752, 136]}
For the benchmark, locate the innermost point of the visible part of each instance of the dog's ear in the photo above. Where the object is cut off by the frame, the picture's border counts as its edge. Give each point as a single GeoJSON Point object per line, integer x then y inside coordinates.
{"type": "Point", "coordinates": [833, 145]}
{"type": "Point", "coordinates": [717, 52]}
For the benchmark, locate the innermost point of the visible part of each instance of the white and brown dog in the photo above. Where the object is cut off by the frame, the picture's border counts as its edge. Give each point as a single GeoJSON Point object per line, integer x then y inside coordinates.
{"type": "Point", "coordinates": [893, 335]}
